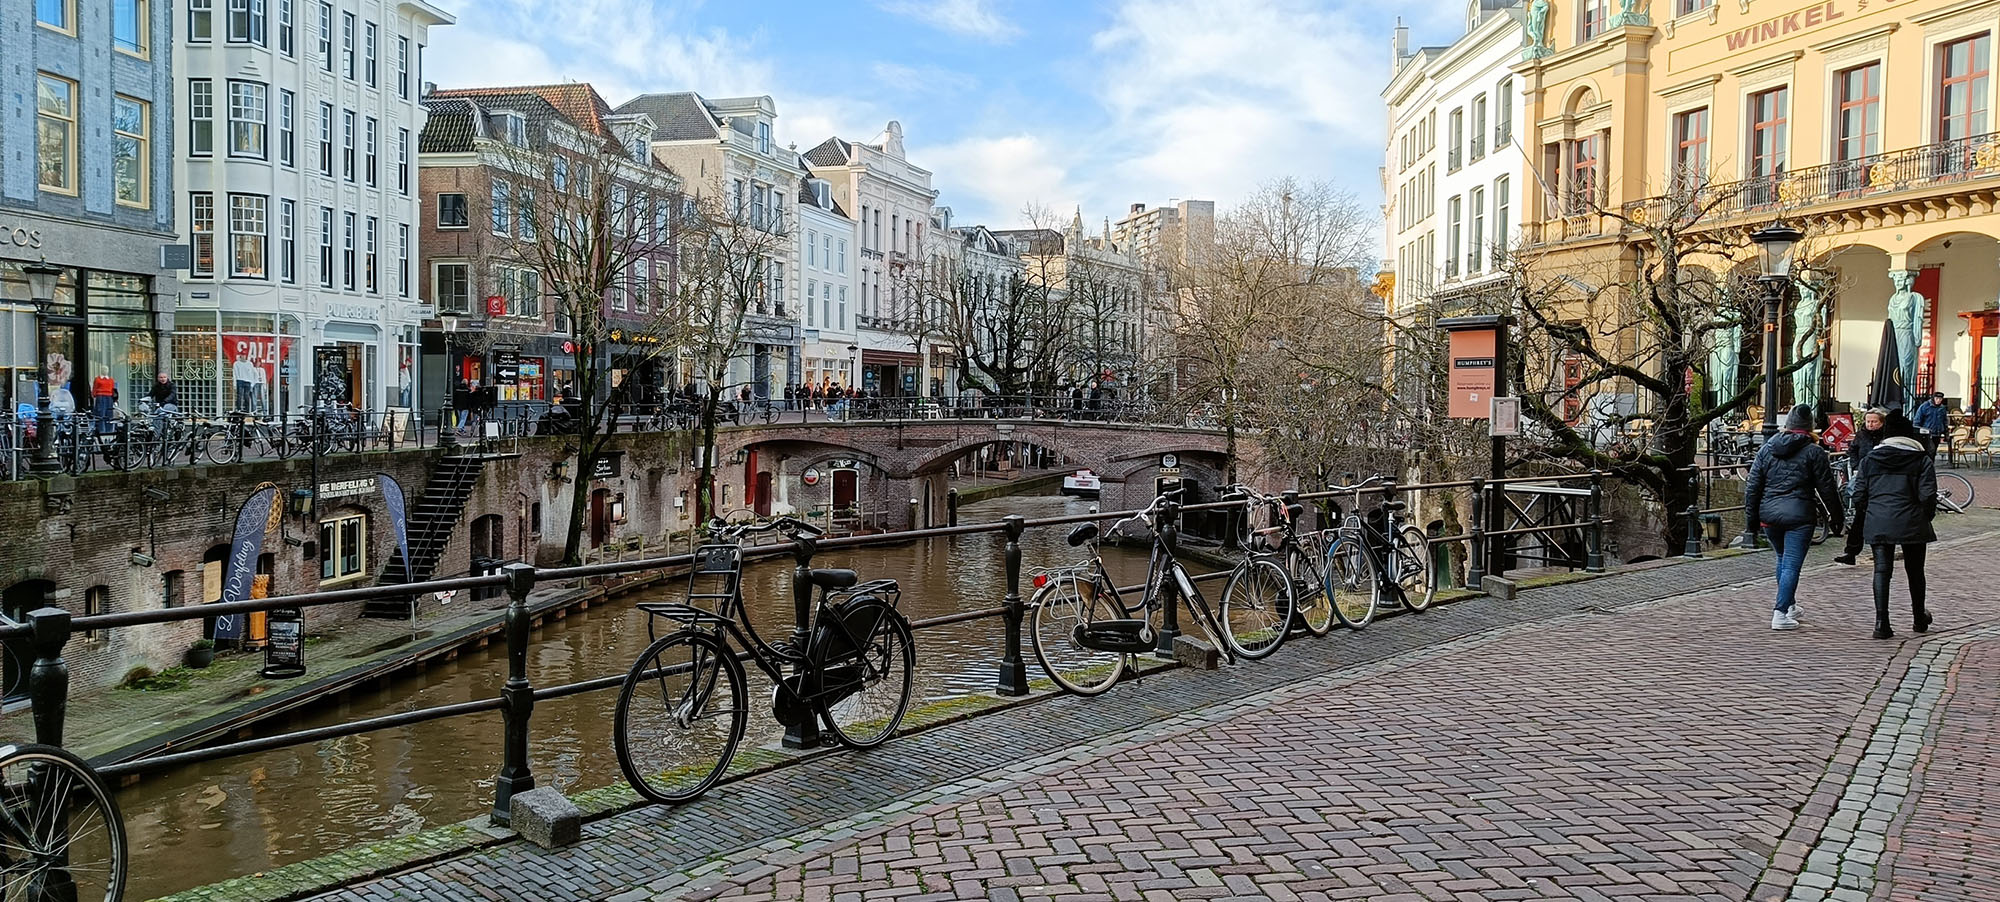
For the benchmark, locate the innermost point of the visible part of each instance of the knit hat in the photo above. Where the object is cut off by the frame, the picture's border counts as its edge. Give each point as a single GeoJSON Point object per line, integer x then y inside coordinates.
{"type": "Point", "coordinates": [1897, 425]}
{"type": "Point", "coordinates": [1800, 419]}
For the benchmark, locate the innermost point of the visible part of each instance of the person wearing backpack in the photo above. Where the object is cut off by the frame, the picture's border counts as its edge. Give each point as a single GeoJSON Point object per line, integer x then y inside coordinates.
{"type": "Point", "coordinates": [1788, 483]}
{"type": "Point", "coordinates": [1895, 500]}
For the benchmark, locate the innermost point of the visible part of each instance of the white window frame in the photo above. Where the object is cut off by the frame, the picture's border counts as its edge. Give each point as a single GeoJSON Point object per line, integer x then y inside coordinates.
{"type": "Point", "coordinates": [335, 549]}
{"type": "Point", "coordinates": [326, 37]}
{"type": "Point", "coordinates": [287, 128]}
{"type": "Point", "coordinates": [201, 117]}
{"type": "Point", "coordinates": [249, 219]}
{"type": "Point", "coordinates": [249, 119]}
{"type": "Point", "coordinates": [446, 304]}
{"type": "Point", "coordinates": [326, 257]}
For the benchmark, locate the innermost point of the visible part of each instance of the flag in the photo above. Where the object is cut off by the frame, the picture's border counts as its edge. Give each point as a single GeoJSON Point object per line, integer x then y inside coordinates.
{"type": "Point", "coordinates": [256, 518]}
{"type": "Point", "coordinates": [392, 504]}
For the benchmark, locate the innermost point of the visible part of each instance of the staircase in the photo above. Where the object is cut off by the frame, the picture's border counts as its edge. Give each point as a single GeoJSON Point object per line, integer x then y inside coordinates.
{"type": "Point", "coordinates": [431, 522]}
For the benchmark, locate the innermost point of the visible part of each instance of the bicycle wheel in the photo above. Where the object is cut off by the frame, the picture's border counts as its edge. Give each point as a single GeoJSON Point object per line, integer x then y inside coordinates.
{"type": "Point", "coordinates": [1060, 607]}
{"type": "Point", "coordinates": [60, 834]}
{"type": "Point", "coordinates": [1416, 581]}
{"type": "Point", "coordinates": [225, 445]}
{"type": "Point", "coordinates": [1350, 582]}
{"type": "Point", "coordinates": [1954, 492]}
{"type": "Point", "coordinates": [1256, 609]}
{"type": "Point", "coordinates": [1309, 596]}
{"type": "Point", "coordinates": [873, 681]}
{"type": "Point", "coordinates": [679, 716]}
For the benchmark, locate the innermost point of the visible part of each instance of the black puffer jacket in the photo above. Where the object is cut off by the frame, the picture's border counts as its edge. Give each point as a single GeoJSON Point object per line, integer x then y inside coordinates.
{"type": "Point", "coordinates": [1895, 496]}
{"type": "Point", "coordinates": [1864, 441]}
{"type": "Point", "coordinates": [1788, 472]}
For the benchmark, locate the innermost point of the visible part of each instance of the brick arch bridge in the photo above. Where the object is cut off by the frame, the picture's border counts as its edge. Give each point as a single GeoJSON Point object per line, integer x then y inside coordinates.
{"type": "Point", "coordinates": [904, 460]}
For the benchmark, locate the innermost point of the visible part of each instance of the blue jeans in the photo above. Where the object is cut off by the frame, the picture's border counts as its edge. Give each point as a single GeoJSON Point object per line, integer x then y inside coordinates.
{"type": "Point", "coordinates": [1790, 544]}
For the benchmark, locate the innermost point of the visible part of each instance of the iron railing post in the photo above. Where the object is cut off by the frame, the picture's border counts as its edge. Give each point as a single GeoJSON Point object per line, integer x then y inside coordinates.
{"type": "Point", "coordinates": [951, 507]}
{"type": "Point", "coordinates": [48, 678]}
{"type": "Point", "coordinates": [1593, 536]}
{"type": "Point", "coordinates": [517, 696]}
{"type": "Point", "coordinates": [1013, 670]}
{"type": "Point", "coordinates": [1170, 628]}
{"type": "Point", "coordinates": [805, 733]}
{"type": "Point", "coordinates": [1475, 571]}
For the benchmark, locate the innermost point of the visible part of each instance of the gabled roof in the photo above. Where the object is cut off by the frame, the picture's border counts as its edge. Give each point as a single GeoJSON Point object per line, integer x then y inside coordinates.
{"type": "Point", "coordinates": [808, 197]}
{"type": "Point", "coordinates": [830, 152]}
{"type": "Point", "coordinates": [577, 101]}
{"type": "Point", "coordinates": [680, 116]}
{"type": "Point", "coordinates": [450, 127]}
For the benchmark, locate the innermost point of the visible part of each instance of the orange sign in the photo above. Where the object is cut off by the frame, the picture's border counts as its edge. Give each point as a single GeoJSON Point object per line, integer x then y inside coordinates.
{"type": "Point", "coordinates": [1472, 373]}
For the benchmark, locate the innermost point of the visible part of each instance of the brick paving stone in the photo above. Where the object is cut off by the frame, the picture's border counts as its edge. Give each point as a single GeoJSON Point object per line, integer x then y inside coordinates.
{"type": "Point", "coordinates": [1948, 844]}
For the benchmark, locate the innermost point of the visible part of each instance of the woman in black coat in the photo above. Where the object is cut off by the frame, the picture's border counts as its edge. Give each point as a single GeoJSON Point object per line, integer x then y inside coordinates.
{"type": "Point", "coordinates": [1895, 500]}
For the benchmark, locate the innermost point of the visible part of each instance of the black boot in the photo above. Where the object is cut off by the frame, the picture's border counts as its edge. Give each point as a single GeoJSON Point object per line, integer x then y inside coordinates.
{"type": "Point", "coordinates": [1920, 617]}
{"type": "Point", "coordinates": [1882, 630]}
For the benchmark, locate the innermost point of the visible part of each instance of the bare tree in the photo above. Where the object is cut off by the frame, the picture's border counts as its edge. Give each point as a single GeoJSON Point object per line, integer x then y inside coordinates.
{"type": "Point", "coordinates": [1010, 329]}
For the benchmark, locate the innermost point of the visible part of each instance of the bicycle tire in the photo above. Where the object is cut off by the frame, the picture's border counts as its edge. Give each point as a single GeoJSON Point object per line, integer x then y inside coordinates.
{"type": "Point", "coordinates": [1949, 494]}
{"type": "Point", "coordinates": [1310, 600]}
{"type": "Point", "coordinates": [1345, 565]}
{"type": "Point", "coordinates": [1256, 608]}
{"type": "Point", "coordinates": [665, 701]}
{"type": "Point", "coordinates": [29, 776]}
{"type": "Point", "coordinates": [1416, 577]}
{"type": "Point", "coordinates": [1056, 613]}
{"type": "Point", "coordinates": [867, 718]}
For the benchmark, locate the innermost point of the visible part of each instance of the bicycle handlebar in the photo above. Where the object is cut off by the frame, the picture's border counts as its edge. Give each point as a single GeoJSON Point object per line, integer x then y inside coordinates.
{"type": "Point", "coordinates": [788, 525]}
{"type": "Point", "coordinates": [1372, 480]}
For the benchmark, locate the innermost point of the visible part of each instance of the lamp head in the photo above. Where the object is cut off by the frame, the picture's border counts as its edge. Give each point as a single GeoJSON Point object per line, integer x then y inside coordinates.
{"type": "Point", "coordinates": [1774, 249]}
{"type": "Point", "coordinates": [42, 279]}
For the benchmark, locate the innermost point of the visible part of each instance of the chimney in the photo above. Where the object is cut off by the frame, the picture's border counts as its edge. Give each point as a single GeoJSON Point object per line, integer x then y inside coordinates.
{"type": "Point", "coordinates": [1400, 47]}
{"type": "Point", "coordinates": [429, 88]}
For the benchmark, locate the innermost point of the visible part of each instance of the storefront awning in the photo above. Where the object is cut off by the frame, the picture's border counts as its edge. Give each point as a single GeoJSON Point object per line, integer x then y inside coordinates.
{"type": "Point", "coordinates": [888, 358]}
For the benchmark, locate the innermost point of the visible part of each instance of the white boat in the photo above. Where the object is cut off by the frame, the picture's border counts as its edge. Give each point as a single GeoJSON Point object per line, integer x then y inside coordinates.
{"type": "Point", "coordinates": [1082, 483]}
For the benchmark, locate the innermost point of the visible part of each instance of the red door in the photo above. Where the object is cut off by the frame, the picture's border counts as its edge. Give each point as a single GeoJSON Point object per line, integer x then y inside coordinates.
{"type": "Point", "coordinates": [600, 517]}
{"type": "Point", "coordinates": [845, 488]}
{"type": "Point", "coordinates": [762, 494]}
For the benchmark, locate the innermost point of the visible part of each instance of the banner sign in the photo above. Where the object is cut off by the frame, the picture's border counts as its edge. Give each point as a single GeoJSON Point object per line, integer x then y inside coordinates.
{"type": "Point", "coordinates": [392, 504]}
{"type": "Point", "coordinates": [259, 514]}
{"type": "Point", "coordinates": [1472, 373]}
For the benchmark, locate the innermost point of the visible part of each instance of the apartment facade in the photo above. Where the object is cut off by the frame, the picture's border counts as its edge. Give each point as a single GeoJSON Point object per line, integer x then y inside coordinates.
{"type": "Point", "coordinates": [91, 121]}
{"type": "Point", "coordinates": [827, 262]}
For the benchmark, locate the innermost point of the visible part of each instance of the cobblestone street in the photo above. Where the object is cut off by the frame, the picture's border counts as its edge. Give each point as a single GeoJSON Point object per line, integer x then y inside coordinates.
{"type": "Point", "coordinates": [1590, 741]}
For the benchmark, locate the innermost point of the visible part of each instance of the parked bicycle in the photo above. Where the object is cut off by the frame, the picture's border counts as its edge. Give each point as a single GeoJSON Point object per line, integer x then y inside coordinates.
{"type": "Point", "coordinates": [683, 708]}
{"type": "Point", "coordinates": [1367, 566]}
{"type": "Point", "coordinates": [1300, 555]}
{"type": "Point", "coordinates": [61, 836]}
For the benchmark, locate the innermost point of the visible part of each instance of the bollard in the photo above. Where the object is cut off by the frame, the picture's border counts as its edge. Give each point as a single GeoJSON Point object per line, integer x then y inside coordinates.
{"type": "Point", "coordinates": [1692, 547]}
{"type": "Point", "coordinates": [1170, 629]}
{"type": "Point", "coordinates": [1593, 536]}
{"type": "Point", "coordinates": [517, 697]}
{"type": "Point", "coordinates": [1013, 670]}
{"type": "Point", "coordinates": [914, 522]}
{"type": "Point", "coordinates": [48, 678]}
{"type": "Point", "coordinates": [805, 733]}
{"type": "Point", "coordinates": [1475, 571]}
{"type": "Point", "coordinates": [951, 507]}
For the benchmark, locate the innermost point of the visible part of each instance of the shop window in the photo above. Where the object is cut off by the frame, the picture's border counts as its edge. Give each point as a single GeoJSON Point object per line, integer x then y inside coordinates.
{"type": "Point", "coordinates": [343, 547]}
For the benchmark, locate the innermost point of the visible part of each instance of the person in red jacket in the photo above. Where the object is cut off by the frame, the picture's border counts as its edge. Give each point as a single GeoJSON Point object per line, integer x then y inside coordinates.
{"type": "Point", "coordinates": [103, 400]}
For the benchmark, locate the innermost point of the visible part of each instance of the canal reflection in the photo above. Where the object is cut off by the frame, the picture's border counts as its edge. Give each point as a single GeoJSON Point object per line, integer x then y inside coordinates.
{"type": "Point", "coordinates": [236, 816]}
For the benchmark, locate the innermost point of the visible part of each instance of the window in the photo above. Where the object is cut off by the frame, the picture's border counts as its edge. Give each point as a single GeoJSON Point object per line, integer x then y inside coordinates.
{"type": "Point", "coordinates": [1689, 7]}
{"type": "Point", "coordinates": [1767, 133]}
{"type": "Point", "coordinates": [503, 210]}
{"type": "Point", "coordinates": [1456, 152]}
{"type": "Point", "coordinates": [760, 196]}
{"type": "Point", "coordinates": [347, 44]}
{"type": "Point", "coordinates": [403, 259]}
{"type": "Point", "coordinates": [522, 289]}
{"type": "Point", "coordinates": [1583, 181]}
{"type": "Point", "coordinates": [285, 27]}
{"type": "Point", "coordinates": [841, 258]}
{"type": "Point", "coordinates": [201, 21]}
{"type": "Point", "coordinates": [201, 238]}
{"type": "Point", "coordinates": [248, 223]}
{"type": "Point", "coordinates": [347, 267]}
{"type": "Point", "coordinates": [347, 144]}
{"type": "Point", "coordinates": [326, 247]}
{"type": "Point", "coordinates": [325, 36]}
{"type": "Point", "coordinates": [403, 161]}
{"type": "Point", "coordinates": [343, 547]}
{"type": "Point", "coordinates": [826, 303]}
{"type": "Point", "coordinates": [763, 137]}
{"type": "Point", "coordinates": [618, 211]}
{"type": "Point", "coordinates": [326, 139]}
{"type": "Point", "coordinates": [842, 321]}
{"type": "Point", "coordinates": [129, 21]}
{"type": "Point", "coordinates": [246, 21]}
{"type": "Point", "coordinates": [373, 283]}
{"type": "Point", "coordinates": [451, 212]}
{"type": "Point", "coordinates": [812, 248]}
{"type": "Point", "coordinates": [403, 68]}
{"type": "Point", "coordinates": [1858, 119]}
{"type": "Point", "coordinates": [96, 600]}
{"type": "Point", "coordinates": [248, 116]}
{"type": "Point", "coordinates": [131, 150]}
{"type": "Point", "coordinates": [826, 250]}
{"type": "Point", "coordinates": [812, 291]}
{"type": "Point", "coordinates": [55, 133]}
{"type": "Point", "coordinates": [368, 52]}
{"type": "Point", "coordinates": [287, 133]}
{"type": "Point", "coordinates": [371, 142]}
{"type": "Point", "coordinates": [1477, 134]}
{"type": "Point", "coordinates": [559, 175]}
{"type": "Point", "coordinates": [1690, 149]}
{"type": "Point", "coordinates": [1592, 19]}
{"type": "Point", "coordinates": [1502, 193]}
{"type": "Point", "coordinates": [173, 588]}
{"type": "Point", "coordinates": [1962, 71]}
{"type": "Point", "coordinates": [1475, 238]}
{"type": "Point", "coordinates": [513, 128]}
{"type": "Point", "coordinates": [288, 244]}
{"type": "Point", "coordinates": [642, 286]}
{"type": "Point", "coordinates": [524, 212]}
{"type": "Point", "coordinates": [452, 286]}
{"type": "Point", "coordinates": [57, 14]}
{"type": "Point", "coordinates": [1451, 237]}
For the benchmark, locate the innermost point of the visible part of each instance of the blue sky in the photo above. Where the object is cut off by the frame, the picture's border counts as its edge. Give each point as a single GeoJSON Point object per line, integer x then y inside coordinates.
{"type": "Point", "coordinates": [1097, 103]}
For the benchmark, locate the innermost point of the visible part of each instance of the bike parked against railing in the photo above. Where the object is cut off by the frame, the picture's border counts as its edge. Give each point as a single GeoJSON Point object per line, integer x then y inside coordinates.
{"type": "Point", "coordinates": [1367, 566]}
{"type": "Point", "coordinates": [1300, 555]}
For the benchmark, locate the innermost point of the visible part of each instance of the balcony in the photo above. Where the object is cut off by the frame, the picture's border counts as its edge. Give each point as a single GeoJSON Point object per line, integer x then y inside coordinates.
{"type": "Point", "coordinates": [1454, 160]}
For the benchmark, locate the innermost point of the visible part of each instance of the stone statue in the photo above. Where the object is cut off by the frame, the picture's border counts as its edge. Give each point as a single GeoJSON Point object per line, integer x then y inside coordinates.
{"type": "Point", "coordinates": [1538, 29]}
{"type": "Point", "coordinates": [1633, 12]}
{"type": "Point", "coordinates": [1723, 360]}
{"type": "Point", "coordinates": [1806, 320]}
{"type": "Point", "coordinates": [1906, 318]}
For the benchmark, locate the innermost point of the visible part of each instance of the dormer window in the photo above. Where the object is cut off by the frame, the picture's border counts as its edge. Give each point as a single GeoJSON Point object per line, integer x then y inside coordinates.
{"type": "Point", "coordinates": [763, 137]}
{"type": "Point", "coordinates": [822, 194]}
{"type": "Point", "coordinates": [511, 127]}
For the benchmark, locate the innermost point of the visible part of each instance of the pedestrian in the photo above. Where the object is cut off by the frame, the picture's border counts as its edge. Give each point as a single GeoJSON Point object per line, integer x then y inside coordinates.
{"type": "Point", "coordinates": [791, 395]}
{"type": "Point", "coordinates": [1931, 420]}
{"type": "Point", "coordinates": [1788, 476]}
{"type": "Point", "coordinates": [1865, 439]}
{"type": "Point", "coordinates": [1895, 500]}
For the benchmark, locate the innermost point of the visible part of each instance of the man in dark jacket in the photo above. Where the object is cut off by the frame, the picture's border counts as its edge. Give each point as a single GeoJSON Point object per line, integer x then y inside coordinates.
{"type": "Point", "coordinates": [1933, 421]}
{"type": "Point", "coordinates": [1788, 482]}
{"type": "Point", "coordinates": [1865, 439]}
{"type": "Point", "coordinates": [1895, 500]}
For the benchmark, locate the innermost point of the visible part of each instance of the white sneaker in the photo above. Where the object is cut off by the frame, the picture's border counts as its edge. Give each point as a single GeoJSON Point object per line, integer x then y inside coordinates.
{"type": "Point", "coordinates": [1793, 611]}
{"type": "Point", "coordinates": [1781, 620]}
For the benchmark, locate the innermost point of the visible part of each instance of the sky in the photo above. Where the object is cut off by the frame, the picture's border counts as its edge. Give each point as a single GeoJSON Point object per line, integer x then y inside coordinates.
{"type": "Point", "coordinates": [1091, 104]}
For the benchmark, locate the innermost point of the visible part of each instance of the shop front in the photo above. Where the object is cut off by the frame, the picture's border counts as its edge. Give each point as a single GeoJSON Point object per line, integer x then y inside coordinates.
{"type": "Point", "coordinates": [890, 374]}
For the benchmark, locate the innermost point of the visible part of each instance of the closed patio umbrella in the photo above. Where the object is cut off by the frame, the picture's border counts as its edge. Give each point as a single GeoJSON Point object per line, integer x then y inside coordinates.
{"type": "Point", "coordinates": [1885, 387]}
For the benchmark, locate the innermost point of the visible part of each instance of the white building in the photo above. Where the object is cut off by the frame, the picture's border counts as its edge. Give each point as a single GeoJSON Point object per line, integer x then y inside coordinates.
{"type": "Point", "coordinates": [826, 275]}
{"type": "Point", "coordinates": [297, 153]}
{"type": "Point", "coordinates": [891, 199]}
{"type": "Point", "coordinates": [1453, 170]}
{"type": "Point", "coordinates": [981, 269]}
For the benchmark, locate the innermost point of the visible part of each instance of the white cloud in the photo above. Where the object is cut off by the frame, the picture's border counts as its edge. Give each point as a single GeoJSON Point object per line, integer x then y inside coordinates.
{"type": "Point", "coordinates": [516, 42]}
{"type": "Point", "coordinates": [921, 80]}
{"type": "Point", "coordinates": [992, 179]}
{"type": "Point", "coordinates": [971, 18]}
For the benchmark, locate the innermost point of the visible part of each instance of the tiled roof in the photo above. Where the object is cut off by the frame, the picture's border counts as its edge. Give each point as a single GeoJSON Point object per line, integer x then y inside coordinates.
{"type": "Point", "coordinates": [830, 152]}
{"type": "Point", "coordinates": [807, 196]}
{"type": "Point", "coordinates": [679, 116]}
{"type": "Point", "coordinates": [458, 117]}
{"type": "Point", "coordinates": [450, 128]}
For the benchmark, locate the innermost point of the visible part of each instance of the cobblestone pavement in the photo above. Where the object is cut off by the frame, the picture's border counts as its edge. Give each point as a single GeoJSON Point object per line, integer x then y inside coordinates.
{"type": "Point", "coordinates": [1580, 742]}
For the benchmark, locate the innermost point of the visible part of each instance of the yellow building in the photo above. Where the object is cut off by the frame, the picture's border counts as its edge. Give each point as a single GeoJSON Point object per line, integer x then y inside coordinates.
{"type": "Point", "coordinates": [1866, 122]}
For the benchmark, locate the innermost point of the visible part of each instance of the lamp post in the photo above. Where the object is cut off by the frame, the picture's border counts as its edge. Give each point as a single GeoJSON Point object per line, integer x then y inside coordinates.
{"type": "Point", "coordinates": [1774, 259]}
{"type": "Point", "coordinates": [853, 366]}
{"type": "Point", "coordinates": [42, 280]}
{"type": "Point", "coordinates": [447, 430]}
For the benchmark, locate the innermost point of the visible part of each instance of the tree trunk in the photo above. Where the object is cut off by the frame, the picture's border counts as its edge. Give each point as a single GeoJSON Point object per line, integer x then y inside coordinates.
{"type": "Point", "coordinates": [579, 499]}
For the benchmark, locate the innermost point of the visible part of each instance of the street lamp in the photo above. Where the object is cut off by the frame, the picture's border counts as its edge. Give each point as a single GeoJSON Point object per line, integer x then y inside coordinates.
{"type": "Point", "coordinates": [1774, 260]}
{"type": "Point", "coordinates": [853, 366]}
{"type": "Point", "coordinates": [42, 280]}
{"type": "Point", "coordinates": [447, 431]}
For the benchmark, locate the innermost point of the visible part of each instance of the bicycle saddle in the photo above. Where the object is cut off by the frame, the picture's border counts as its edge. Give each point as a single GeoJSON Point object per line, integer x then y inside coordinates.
{"type": "Point", "coordinates": [1082, 534]}
{"type": "Point", "coordinates": [1394, 505]}
{"type": "Point", "coordinates": [1294, 510]}
{"type": "Point", "coordinates": [832, 580]}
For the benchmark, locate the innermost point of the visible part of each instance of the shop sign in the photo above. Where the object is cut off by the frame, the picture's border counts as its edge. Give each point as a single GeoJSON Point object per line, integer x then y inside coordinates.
{"type": "Point", "coordinates": [1472, 373]}
{"type": "Point", "coordinates": [607, 465]}
{"type": "Point", "coordinates": [20, 237]}
{"type": "Point", "coordinates": [285, 653]}
{"type": "Point", "coordinates": [843, 463]}
{"type": "Point", "coordinates": [1803, 20]}
{"type": "Point", "coordinates": [496, 305]}
{"type": "Point", "coordinates": [357, 312]}
{"type": "Point", "coordinates": [506, 366]}
{"type": "Point", "coordinates": [259, 354]}
{"type": "Point", "coordinates": [347, 488]}
{"type": "Point", "coordinates": [810, 476]}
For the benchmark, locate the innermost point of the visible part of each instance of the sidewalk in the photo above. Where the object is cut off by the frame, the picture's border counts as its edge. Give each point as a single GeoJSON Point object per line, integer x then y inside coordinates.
{"type": "Point", "coordinates": [1585, 741]}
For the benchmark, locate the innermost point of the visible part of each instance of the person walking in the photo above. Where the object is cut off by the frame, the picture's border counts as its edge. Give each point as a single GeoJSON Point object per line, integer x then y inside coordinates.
{"type": "Point", "coordinates": [1895, 500]}
{"type": "Point", "coordinates": [1865, 439]}
{"type": "Point", "coordinates": [1789, 474]}
{"type": "Point", "coordinates": [1932, 421]}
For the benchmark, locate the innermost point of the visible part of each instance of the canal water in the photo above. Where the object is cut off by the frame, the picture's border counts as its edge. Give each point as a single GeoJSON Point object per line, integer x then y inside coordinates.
{"type": "Point", "coordinates": [236, 816]}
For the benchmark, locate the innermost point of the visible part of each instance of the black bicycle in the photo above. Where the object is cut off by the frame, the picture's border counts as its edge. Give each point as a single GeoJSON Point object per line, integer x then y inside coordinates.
{"type": "Point", "coordinates": [684, 706]}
